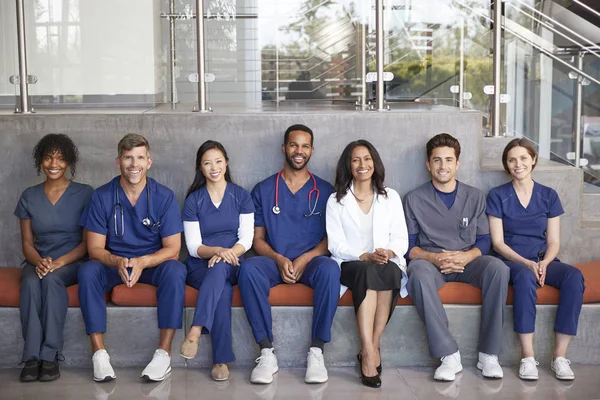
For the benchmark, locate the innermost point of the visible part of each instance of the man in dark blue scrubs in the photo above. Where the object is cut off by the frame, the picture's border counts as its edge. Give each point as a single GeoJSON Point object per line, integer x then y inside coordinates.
{"type": "Point", "coordinates": [290, 240]}
{"type": "Point", "coordinates": [133, 235]}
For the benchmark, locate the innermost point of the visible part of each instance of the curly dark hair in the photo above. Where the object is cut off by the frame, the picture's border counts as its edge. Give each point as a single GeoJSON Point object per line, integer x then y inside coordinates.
{"type": "Point", "coordinates": [52, 143]}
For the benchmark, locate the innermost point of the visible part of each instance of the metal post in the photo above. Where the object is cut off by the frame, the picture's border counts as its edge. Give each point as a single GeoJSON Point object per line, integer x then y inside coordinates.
{"type": "Point", "coordinates": [22, 48]}
{"type": "Point", "coordinates": [461, 72]}
{"type": "Point", "coordinates": [277, 69]}
{"type": "Point", "coordinates": [578, 110]}
{"type": "Point", "coordinates": [172, 52]}
{"type": "Point", "coordinates": [497, 67]}
{"type": "Point", "coordinates": [379, 52]}
{"type": "Point", "coordinates": [363, 63]}
{"type": "Point", "coordinates": [200, 55]}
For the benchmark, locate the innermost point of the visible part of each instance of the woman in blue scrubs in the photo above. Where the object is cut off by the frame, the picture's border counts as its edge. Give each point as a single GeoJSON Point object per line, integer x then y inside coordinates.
{"type": "Point", "coordinates": [53, 246]}
{"type": "Point", "coordinates": [525, 229]}
{"type": "Point", "coordinates": [218, 221]}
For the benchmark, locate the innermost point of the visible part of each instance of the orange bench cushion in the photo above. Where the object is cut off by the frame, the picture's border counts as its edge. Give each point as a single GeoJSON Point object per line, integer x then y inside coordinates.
{"type": "Point", "coordinates": [297, 295]}
{"type": "Point", "coordinates": [10, 282]}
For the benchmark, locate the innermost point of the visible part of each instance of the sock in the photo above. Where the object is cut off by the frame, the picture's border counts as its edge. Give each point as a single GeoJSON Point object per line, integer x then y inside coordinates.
{"type": "Point", "coordinates": [265, 344]}
{"type": "Point", "coordinates": [318, 343]}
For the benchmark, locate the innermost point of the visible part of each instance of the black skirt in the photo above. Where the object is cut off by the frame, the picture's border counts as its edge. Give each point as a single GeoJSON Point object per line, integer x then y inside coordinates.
{"type": "Point", "coordinates": [362, 275]}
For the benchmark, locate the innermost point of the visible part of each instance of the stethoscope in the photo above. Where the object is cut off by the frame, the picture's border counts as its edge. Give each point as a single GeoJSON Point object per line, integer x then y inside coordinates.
{"type": "Point", "coordinates": [154, 227]}
{"type": "Point", "coordinates": [276, 209]}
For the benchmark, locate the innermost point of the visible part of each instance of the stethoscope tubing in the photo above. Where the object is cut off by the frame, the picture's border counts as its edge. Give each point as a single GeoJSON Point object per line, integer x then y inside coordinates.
{"type": "Point", "coordinates": [146, 221]}
{"type": "Point", "coordinates": [276, 209]}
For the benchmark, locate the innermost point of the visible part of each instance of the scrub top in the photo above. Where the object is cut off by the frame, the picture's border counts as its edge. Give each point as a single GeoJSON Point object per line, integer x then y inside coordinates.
{"type": "Point", "coordinates": [441, 228]}
{"type": "Point", "coordinates": [218, 225]}
{"type": "Point", "coordinates": [103, 216]}
{"type": "Point", "coordinates": [524, 228]}
{"type": "Point", "coordinates": [56, 230]}
{"type": "Point", "coordinates": [292, 232]}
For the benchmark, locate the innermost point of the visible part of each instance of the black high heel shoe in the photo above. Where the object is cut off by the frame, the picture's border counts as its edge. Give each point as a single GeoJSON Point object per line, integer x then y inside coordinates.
{"type": "Point", "coordinates": [370, 381]}
{"type": "Point", "coordinates": [359, 358]}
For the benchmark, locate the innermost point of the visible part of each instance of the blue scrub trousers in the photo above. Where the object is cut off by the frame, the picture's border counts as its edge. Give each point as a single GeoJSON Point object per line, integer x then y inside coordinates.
{"type": "Point", "coordinates": [564, 277]}
{"type": "Point", "coordinates": [95, 279]}
{"type": "Point", "coordinates": [213, 304]}
{"type": "Point", "coordinates": [43, 310]}
{"type": "Point", "coordinates": [257, 275]}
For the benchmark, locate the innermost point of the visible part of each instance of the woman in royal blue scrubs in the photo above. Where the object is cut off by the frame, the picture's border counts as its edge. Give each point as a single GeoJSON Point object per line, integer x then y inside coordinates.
{"type": "Point", "coordinates": [525, 229]}
{"type": "Point", "coordinates": [53, 246]}
{"type": "Point", "coordinates": [218, 221]}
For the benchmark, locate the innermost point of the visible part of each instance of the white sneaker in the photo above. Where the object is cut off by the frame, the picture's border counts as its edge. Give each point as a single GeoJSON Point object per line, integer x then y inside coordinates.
{"type": "Point", "coordinates": [560, 367]}
{"type": "Point", "coordinates": [103, 371]}
{"type": "Point", "coordinates": [158, 369]}
{"type": "Point", "coordinates": [489, 366]}
{"type": "Point", "coordinates": [266, 367]}
{"type": "Point", "coordinates": [315, 367]}
{"type": "Point", "coordinates": [449, 368]}
{"type": "Point", "coordinates": [528, 369]}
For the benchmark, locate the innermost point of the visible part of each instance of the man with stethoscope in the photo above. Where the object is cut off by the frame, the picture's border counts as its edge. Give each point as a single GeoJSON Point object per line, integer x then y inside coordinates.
{"type": "Point", "coordinates": [133, 235]}
{"type": "Point", "coordinates": [291, 244]}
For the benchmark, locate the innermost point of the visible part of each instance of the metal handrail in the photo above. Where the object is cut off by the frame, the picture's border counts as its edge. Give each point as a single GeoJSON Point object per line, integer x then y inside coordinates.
{"type": "Point", "coordinates": [551, 28]}
{"type": "Point", "coordinates": [588, 8]}
{"type": "Point", "coordinates": [540, 48]}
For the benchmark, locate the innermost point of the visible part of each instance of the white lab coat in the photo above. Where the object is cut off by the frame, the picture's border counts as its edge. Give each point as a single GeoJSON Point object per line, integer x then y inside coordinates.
{"type": "Point", "coordinates": [389, 229]}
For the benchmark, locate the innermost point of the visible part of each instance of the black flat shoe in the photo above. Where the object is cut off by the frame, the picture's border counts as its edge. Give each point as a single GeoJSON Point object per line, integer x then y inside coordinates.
{"type": "Point", "coordinates": [31, 371]}
{"type": "Point", "coordinates": [49, 371]}
{"type": "Point", "coordinates": [359, 358]}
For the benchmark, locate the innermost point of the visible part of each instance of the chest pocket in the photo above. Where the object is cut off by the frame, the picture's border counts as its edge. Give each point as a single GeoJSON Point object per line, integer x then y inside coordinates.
{"type": "Point", "coordinates": [314, 224]}
{"type": "Point", "coordinates": [467, 230]}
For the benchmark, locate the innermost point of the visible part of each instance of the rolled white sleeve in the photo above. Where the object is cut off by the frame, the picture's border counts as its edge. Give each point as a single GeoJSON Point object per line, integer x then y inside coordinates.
{"type": "Point", "coordinates": [337, 242]}
{"type": "Point", "coordinates": [193, 237]}
{"type": "Point", "coordinates": [246, 231]}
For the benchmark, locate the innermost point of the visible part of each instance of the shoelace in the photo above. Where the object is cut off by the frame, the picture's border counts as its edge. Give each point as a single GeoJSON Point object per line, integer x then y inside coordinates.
{"type": "Point", "coordinates": [488, 357]}
{"type": "Point", "coordinates": [560, 364]}
{"type": "Point", "coordinates": [534, 362]}
{"type": "Point", "coordinates": [261, 361]}
{"type": "Point", "coordinates": [314, 359]}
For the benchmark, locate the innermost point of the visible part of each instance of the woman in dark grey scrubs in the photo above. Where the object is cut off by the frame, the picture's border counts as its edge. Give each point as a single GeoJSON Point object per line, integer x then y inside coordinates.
{"type": "Point", "coordinates": [53, 246]}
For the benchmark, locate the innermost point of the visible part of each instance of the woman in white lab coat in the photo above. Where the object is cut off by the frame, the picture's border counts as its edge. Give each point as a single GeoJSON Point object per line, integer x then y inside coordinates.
{"type": "Point", "coordinates": [367, 236]}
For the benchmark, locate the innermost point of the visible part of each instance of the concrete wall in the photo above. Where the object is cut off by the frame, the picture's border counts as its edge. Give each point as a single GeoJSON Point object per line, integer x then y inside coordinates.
{"type": "Point", "coordinates": [403, 343]}
{"type": "Point", "coordinates": [254, 141]}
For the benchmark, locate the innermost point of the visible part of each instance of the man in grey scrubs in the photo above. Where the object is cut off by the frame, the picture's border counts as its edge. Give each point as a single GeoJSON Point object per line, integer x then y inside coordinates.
{"type": "Point", "coordinates": [448, 242]}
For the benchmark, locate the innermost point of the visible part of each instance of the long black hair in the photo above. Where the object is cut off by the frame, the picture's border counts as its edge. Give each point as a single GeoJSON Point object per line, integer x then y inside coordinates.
{"type": "Point", "coordinates": [343, 172]}
{"type": "Point", "coordinates": [200, 179]}
{"type": "Point", "coordinates": [52, 143]}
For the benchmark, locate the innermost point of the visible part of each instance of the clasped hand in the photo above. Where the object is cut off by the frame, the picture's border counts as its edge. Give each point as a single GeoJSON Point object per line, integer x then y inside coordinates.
{"type": "Point", "coordinates": [224, 254]}
{"type": "Point", "coordinates": [451, 261]}
{"type": "Point", "coordinates": [130, 270]}
{"type": "Point", "coordinates": [44, 266]}
{"type": "Point", "coordinates": [379, 256]}
{"type": "Point", "coordinates": [291, 272]}
{"type": "Point", "coordinates": [539, 270]}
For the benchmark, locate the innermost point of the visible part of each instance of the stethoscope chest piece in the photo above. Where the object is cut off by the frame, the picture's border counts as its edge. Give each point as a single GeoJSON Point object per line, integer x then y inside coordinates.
{"type": "Point", "coordinates": [146, 221]}
{"type": "Point", "coordinates": [276, 210]}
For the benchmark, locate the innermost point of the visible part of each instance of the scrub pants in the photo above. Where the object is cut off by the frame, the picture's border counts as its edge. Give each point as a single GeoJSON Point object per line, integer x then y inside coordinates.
{"type": "Point", "coordinates": [213, 305]}
{"type": "Point", "coordinates": [488, 273]}
{"type": "Point", "coordinates": [95, 279]}
{"type": "Point", "coordinates": [43, 310]}
{"type": "Point", "coordinates": [564, 277]}
{"type": "Point", "coordinates": [257, 275]}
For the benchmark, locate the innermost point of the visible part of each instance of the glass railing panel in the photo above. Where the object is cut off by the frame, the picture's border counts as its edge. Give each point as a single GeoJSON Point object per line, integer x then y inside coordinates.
{"type": "Point", "coordinates": [9, 64]}
{"type": "Point", "coordinates": [87, 53]}
{"type": "Point", "coordinates": [422, 51]}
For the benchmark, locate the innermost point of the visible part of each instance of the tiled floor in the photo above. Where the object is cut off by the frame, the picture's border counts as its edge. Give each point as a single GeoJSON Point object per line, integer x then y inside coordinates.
{"type": "Point", "coordinates": [398, 384]}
